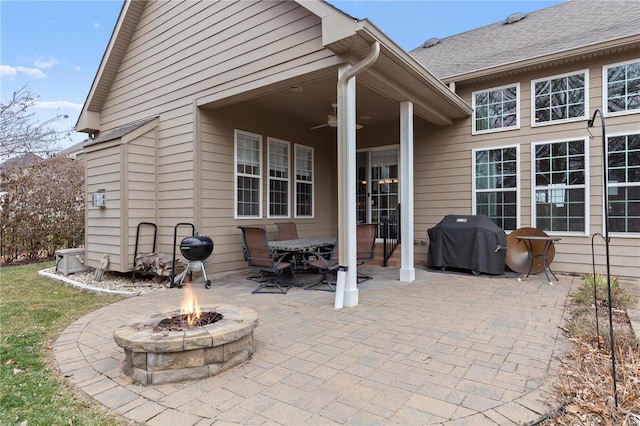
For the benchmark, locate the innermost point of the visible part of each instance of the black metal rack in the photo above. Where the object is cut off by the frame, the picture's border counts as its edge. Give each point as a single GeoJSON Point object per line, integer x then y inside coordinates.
{"type": "Point", "coordinates": [153, 249]}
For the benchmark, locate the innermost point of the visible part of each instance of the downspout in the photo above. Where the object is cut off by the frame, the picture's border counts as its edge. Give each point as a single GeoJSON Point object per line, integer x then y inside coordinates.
{"type": "Point", "coordinates": [346, 179]}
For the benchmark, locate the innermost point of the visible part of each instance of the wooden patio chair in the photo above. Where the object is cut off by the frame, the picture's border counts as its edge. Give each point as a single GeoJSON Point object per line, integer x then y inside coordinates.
{"type": "Point", "coordinates": [366, 246]}
{"type": "Point", "coordinates": [326, 262]}
{"type": "Point", "coordinates": [287, 231]}
{"type": "Point", "coordinates": [272, 268]}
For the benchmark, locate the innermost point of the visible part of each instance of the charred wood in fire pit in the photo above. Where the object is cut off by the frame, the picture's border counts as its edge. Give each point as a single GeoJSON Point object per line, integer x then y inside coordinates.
{"type": "Point", "coordinates": [179, 323]}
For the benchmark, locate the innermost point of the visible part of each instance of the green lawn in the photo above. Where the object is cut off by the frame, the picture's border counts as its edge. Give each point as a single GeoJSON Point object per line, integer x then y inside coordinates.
{"type": "Point", "coordinates": [33, 311]}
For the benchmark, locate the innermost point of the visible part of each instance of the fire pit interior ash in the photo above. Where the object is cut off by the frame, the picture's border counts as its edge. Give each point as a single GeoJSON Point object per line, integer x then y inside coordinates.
{"type": "Point", "coordinates": [172, 352]}
{"type": "Point", "coordinates": [181, 322]}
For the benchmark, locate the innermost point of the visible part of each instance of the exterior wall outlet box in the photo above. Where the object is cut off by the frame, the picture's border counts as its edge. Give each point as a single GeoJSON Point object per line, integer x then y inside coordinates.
{"type": "Point", "coordinates": [69, 261]}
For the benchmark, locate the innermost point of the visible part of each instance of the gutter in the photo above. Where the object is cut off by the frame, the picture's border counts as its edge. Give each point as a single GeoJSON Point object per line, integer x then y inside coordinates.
{"type": "Point", "coordinates": [346, 180]}
{"type": "Point", "coordinates": [412, 65]}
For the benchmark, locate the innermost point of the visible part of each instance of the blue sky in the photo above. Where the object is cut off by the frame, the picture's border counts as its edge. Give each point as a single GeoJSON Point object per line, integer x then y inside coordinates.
{"type": "Point", "coordinates": [55, 47]}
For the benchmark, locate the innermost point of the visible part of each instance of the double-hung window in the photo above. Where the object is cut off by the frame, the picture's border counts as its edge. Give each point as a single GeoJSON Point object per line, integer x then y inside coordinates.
{"type": "Point", "coordinates": [624, 183]}
{"type": "Point", "coordinates": [495, 185]}
{"type": "Point", "coordinates": [560, 185]}
{"type": "Point", "coordinates": [248, 175]}
{"type": "Point", "coordinates": [304, 181]}
{"type": "Point", "coordinates": [621, 87]}
{"type": "Point", "coordinates": [560, 98]}
{"type": "Point", "coordinates": [278, 196]}
{"type": "Point", "coordinates": [496, 109]}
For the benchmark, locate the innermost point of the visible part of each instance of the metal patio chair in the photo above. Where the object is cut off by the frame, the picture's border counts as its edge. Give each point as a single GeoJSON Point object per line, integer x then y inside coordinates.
{"type": "Point", "coordinates": [275, 272]}
{"type": "Point", "coordinates": [287, 230]}
{"type": "Point", "coordinates": [366, 246]}
{"type": "Point", "coordinates": [326, 262]}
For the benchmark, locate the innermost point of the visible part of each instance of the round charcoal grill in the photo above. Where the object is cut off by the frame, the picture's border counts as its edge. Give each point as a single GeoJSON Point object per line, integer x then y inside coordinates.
{"type": "Point", "coordinates": [196, 250]}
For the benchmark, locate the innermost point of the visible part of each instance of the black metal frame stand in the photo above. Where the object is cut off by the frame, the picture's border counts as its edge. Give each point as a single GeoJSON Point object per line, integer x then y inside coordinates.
{"type": "Point", "coordinates": [605, 189]}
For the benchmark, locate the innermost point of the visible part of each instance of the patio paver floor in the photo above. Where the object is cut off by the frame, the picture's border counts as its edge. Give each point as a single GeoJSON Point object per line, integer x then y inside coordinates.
{"type": "Point", "coordinates": [446, 349]}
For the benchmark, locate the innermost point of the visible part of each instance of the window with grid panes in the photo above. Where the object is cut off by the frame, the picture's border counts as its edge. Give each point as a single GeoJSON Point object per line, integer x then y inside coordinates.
{"type": "Point", "coordinates": [278, 178]}
{"type": "Point", "coordinates": [496, 185]}
{"type": "Point", "coordinates": [623, 184]}
{"type": "Point", "coordinates": [304, 181]}
{"type": "Point", "coordinates": [560, 98]}
{"type": "Point", "coordinates": [622, 87]}
{"type": "Point", "coordinates": [560, 186]}
{"type": "Point", "coordinates": [496, 109]}
{"type": "Point", "coordinates": [248, 170]}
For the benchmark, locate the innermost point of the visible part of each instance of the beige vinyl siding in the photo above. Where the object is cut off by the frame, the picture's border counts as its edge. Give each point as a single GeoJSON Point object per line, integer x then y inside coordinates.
{"type": "Point", "coordinates": [185, 51]}
{"type": "Point", "coordinates": [443, 175]}
{"type": "Point", "coordinates": [218, 175]}
{"type": "Point", "coordinates": [104, 168]}
{"type": "Point", "coordinates": [127, 171]}
{"type": "Point", "coordinates": [217, 50]}
{"type": "Point", "coordinates": [140, 181]}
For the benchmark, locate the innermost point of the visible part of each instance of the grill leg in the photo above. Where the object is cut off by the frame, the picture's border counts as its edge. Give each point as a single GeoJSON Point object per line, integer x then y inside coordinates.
{"type": "Point", "coordinates": [207, 281]}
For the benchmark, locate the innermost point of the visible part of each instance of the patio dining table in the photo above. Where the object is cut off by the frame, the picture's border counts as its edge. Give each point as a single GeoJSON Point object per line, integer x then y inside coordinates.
{"type": "Point", "coordinates": [302, 244]}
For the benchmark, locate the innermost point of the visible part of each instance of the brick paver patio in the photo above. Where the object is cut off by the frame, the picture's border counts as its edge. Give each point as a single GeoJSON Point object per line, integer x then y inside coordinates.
{"type": "Point", "coordinates": [447, 349]}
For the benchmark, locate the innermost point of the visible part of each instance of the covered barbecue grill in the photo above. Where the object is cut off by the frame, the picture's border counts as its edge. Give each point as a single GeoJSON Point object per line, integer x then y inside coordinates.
{"type": "Point", "coordinates": [468, 242]}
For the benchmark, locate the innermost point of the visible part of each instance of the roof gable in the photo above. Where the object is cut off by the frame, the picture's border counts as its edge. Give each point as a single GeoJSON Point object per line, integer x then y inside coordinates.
{"type": "Point", "coordinates": [343, 39]}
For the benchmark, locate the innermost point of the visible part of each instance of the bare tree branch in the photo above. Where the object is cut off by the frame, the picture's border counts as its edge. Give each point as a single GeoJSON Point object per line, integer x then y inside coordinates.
{"type": "Point", "coordinates": [20, 131]}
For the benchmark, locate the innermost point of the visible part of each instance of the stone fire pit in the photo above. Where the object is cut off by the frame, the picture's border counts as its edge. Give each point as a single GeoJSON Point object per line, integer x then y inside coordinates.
{"type": "Point", "coordinates": [156, 357]}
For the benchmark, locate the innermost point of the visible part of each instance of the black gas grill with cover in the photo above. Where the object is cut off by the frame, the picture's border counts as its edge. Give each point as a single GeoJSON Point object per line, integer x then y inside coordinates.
{"type": "Point", "coordinates": [468, 242]}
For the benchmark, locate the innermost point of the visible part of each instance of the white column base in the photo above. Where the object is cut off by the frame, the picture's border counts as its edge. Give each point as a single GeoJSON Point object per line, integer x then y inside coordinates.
{"type": "Point", "coordinates": [350, 298]}
{"type": "Point", "coordinates": [407, 274]}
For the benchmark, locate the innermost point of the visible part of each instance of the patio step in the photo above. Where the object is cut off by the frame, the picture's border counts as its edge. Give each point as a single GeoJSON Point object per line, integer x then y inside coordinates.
{"type": "Point", "coordinates": [395, 260]}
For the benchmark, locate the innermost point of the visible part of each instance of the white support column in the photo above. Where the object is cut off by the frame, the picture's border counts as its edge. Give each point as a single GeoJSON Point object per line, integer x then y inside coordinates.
{"type": "Point", "coordinates": [347, 243]}
{"type": "Point", "coordinates": [407, 268]}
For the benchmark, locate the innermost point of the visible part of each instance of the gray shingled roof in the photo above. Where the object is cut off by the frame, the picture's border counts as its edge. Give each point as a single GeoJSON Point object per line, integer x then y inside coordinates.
{"type": "Point", "coordinates": [119, 132]}
{"type": "Point", "coordinates": [566, 26]}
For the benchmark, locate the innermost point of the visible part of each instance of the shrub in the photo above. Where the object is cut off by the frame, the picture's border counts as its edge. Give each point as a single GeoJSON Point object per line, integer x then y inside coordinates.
{"type": "Point", "coordinates": [42, 209]}
{"type": "Point", "coordinates": [585, 295]}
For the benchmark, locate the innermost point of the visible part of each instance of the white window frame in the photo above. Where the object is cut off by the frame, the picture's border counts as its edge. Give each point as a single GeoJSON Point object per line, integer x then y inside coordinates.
{"type": "Point", "coordinates": [535, 123]}
{"type": "Point", "coordinates": [499, 129]}
{"type": "Point", "coordinates": [236, 174]}
{"type": "Point", "coordinates": [312, 182]}
{"type": "Point", "coordinates": [271, 141]}
{"type": "Point", "coordinates": [605, 91]}
{"type": "Point", "coordinates": [623, 185]}
{"type": "Point", "coordinates": [586, 185]}
{"type": "Point", "coordinates": [518, 182]}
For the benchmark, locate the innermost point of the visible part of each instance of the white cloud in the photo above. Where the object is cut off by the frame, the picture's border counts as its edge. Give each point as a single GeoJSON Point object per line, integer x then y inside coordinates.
{"type": "Point", "coordinates": [96, 25]}
{"type": "Point", "coordinates": [9, 71]}
{"type": "Point", "coordinates": [45, 62]}
{"type": "Point", "coordinates": [59, 105]}
{"type": "Point", "coordinates": [77, 68]}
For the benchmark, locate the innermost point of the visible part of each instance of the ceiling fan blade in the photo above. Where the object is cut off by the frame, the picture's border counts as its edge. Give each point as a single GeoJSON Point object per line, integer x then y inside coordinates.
{"type": "Point", "coordinates": [321, 125]}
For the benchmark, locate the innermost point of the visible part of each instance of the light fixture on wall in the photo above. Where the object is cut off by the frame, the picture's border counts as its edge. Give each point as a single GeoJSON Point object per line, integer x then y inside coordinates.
{"type": "Point", "coordinates": [99, 198]}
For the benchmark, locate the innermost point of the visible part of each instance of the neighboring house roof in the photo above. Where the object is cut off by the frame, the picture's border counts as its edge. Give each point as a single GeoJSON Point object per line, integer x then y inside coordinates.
{"type": "Point", "coordinates": [73, 150]}
{"type": "Point", "coordinates": [19, 162]}
{"type": "Point", "coordinates": [557, 32]}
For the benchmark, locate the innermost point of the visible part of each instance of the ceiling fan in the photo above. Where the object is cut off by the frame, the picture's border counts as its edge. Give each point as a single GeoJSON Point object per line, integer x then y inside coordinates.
{"type": "Point", "coordinates": [332, 120]}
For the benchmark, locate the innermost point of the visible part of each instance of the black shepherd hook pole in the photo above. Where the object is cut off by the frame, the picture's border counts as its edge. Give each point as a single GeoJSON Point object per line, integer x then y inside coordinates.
{"type": "Point", "coordinates": [605, 175]}
{"type": "Point", "coordinates": [595, 287]}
